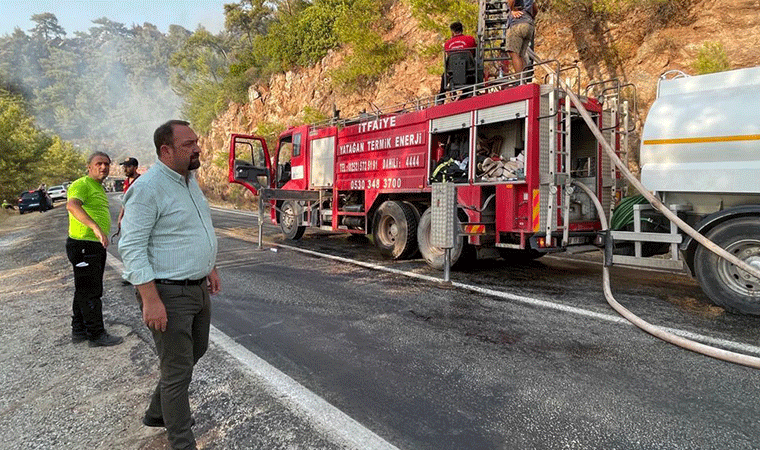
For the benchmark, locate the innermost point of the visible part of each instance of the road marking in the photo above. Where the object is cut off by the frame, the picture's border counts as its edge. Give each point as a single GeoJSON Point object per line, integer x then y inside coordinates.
{"type": "Point", "coordinates": [338, 426]}
{"type": "Point", "coordinates": [724, 343]}
{"type": "Point", "coordinates": [235, 211]}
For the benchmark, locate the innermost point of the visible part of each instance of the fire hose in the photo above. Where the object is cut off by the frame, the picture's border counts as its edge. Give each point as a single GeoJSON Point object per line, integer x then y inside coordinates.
{"type": "Point", "coordinates": [714, 352]}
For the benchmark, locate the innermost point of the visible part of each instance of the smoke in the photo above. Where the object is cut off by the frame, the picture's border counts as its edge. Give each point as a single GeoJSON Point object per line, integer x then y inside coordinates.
{"type": "Point", "coordinates": [104, 90]}
{"type": "Point", "coordinates": [134, 104]}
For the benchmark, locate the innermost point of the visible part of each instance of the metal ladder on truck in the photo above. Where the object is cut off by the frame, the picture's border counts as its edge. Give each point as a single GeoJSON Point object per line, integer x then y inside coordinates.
{"type": "Point", "coordinates": [493, 20]}
{"type": "Point", "coordinates": [615, 128]}
{"type": "Point", "coordinates": [616, 125]}
{"type": "Point", "coordinates": [558, 176]}
{"type": "Point", "coordinates": [619, 129]}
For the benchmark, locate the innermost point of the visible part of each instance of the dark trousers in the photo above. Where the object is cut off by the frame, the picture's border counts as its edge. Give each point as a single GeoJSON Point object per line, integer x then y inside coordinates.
{"type": "Point", "coordinates": [88, 258]}
{"type": "Point", "coordinates": [188, 313]}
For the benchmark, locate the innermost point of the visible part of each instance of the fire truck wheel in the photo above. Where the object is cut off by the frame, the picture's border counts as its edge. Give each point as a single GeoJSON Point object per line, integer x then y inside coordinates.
{"type": "Point", "coordinates": [434, 255]}
{"type": "Point", "coordinates": [289, 212]}
{"type": "Point", "coordinates": [416, 212]}
{"type": "Point", "coordinates": [723, 282]}
{"type": "Point", "coordinates": [394, 230]}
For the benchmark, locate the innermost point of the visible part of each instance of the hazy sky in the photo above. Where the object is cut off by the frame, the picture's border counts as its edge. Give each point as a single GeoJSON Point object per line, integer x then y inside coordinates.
{"type": "Point", "coordinates": [77, 15]}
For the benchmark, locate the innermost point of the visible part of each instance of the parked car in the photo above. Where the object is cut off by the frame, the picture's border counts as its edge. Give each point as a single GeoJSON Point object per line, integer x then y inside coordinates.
{"type": "Point", "coordinates": [31, 201]}
{"type": "Point", "coordinates": [57, 193]}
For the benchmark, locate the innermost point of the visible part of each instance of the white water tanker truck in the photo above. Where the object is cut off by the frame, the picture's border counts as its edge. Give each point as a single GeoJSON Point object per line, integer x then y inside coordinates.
{"type": "Point", "coordinates": [700, 155]}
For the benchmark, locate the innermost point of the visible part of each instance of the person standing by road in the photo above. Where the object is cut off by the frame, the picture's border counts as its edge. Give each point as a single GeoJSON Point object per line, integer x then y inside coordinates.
{"type": "Point", "coordinates": [168, 247]}
{"type": "Point", "coordinates": [89, 224]}
{"type": "Point", "coordinates": [130, 172]}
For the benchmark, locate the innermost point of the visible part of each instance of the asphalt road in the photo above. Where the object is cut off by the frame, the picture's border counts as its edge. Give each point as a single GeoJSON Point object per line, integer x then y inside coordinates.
{"type": "Point", "coordinates": [546, 365]}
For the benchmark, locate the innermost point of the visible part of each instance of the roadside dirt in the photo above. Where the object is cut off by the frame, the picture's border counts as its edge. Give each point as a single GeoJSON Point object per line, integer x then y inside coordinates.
{"type": "Point", "coordinates": [59, 395]}
{"type": "Point", "coordinates": [55, 394]}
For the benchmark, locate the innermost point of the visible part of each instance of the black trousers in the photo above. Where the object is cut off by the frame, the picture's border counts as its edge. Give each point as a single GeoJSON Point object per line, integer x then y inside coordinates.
{"type": "Point", "coordinates": [88, 258]}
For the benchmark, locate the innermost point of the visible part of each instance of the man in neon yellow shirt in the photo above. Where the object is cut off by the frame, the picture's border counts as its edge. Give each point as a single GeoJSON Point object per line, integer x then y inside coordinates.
{"type": "Point", "coordinates": [89, 225]}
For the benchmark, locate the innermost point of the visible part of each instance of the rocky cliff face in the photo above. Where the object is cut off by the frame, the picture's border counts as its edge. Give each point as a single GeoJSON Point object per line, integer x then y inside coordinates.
{"type": "Point", "coordinates": [635, 49]}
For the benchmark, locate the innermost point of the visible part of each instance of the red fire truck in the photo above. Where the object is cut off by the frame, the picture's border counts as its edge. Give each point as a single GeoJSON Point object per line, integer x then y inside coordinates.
{"type": "Point", "coordinates": [521, 158]}
{"type": "Point", "coordinates": [511, 149]}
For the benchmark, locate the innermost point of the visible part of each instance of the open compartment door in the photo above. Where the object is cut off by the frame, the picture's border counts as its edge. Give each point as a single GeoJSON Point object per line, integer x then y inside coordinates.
{"type": "Point", "coordinates": [249, 162]}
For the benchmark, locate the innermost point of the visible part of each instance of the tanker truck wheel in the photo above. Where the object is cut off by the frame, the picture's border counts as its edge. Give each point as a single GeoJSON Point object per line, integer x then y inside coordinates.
{"type": "Point", "coordinates": [289, 212]}
{"type": "Point", "coordinates": [434, 255]}
{"type": "Point", "coordinates": [394, 230]}
{"type": "Point", "coordinates": [723, 282]}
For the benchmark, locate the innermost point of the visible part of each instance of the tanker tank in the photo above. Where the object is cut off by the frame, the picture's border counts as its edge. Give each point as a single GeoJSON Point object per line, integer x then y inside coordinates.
{"type": "Point", "coordinates": [702, 136]}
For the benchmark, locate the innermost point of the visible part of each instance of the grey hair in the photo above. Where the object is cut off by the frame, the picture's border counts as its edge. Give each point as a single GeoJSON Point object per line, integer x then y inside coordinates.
{"type": "Point", "coordinates": [94, 154]}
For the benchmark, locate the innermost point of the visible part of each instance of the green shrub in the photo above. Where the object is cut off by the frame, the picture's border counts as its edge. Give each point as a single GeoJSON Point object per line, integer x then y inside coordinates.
{"type": "Point", "coordinates": [312, 115]}
{"type": "Point", "coordinates": [270, 131]}
{"type": "Point", "coordinates": [299, 35]}
{"type": "Point", "coordinates": [221, 160]}
{"type": "Point", "coordinates": [437, 15]}
{"type": "Point", "coordinates": [364, 66]}
{"type": "Point", "coordinates": [316, 30]}
{"type": "Point", "coordinates": [303, 38]}
{"type": "Point", "coordinates": [360, 28]}
{"type": "Point", "coordinates": [202, 104]}
{"type": "Point", "coordinates": [711, 58]}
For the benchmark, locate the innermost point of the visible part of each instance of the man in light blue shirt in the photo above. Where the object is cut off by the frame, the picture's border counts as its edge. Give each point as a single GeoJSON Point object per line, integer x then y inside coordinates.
{"type": "Point", "coordinates": [168, 247]}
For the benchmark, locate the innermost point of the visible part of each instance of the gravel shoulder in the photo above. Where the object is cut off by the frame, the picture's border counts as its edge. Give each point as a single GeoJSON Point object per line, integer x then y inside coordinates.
{"type": "Point", "coordinates": [55, 394]}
